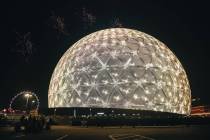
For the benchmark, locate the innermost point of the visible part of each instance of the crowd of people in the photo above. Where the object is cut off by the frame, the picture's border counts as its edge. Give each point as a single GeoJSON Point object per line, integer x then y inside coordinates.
{"type": "Point", "coordinates": [138, 121]}
{"type": "Point", "coordinates": [31, 124]}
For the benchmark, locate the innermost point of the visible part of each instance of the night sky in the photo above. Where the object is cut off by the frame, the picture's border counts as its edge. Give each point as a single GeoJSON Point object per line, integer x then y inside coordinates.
{"type": "Point", "coordinates": [35, 34]}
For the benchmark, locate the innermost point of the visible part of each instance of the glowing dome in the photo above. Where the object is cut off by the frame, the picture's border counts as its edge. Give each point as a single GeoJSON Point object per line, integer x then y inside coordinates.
{"type": "Point", "coordinates": [120, 68]}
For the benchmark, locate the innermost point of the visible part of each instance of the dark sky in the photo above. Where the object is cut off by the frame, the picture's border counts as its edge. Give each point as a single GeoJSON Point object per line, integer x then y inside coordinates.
{"type": "Point", "coordinates": [183, 26]}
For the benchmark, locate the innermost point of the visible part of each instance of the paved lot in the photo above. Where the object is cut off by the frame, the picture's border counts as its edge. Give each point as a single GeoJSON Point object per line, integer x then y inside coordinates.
{"type": "Point", "coordinates": [112, 133]}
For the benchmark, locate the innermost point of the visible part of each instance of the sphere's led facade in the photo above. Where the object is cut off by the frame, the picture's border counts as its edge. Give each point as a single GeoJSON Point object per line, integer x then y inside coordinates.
{"type": "Point", "coordinates": [120, 68]}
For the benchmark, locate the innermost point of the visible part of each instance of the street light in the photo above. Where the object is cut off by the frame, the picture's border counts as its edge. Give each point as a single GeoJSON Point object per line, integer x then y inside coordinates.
{"type": "Point", "coordinates": [27, 96]}
{"type": "Point", "coordinates": [195, 99]}
{"type": "Point", "coordinates": [33, 102]}
{"type": "Point", "coordinates": [54, 112]}
{"type": "Point", "coordinates": [90, 112]}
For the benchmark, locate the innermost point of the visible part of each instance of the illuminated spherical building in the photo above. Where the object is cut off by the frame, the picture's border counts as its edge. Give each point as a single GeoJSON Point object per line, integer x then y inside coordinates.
{"type": "Point", "coordinates": [120, 68]}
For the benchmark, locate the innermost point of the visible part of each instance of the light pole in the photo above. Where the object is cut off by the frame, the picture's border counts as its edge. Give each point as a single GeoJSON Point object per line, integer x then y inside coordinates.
{"type": "Point", "coordinates": [27, 96]}
{"type": "Point", "coordinates": [54, 112]}
{"type": "Point", "coordinates": [32, 103]}
{"type": "Point", "coordinates": [75, 113]}
{"type": "Point", "coordinates": [113, 112]}
{"type": "Point", "coordinates": [90, 112]}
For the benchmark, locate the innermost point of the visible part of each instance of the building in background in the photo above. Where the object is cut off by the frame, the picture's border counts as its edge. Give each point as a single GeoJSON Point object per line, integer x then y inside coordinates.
{"type": "Point", "coordinates": [120, 68]}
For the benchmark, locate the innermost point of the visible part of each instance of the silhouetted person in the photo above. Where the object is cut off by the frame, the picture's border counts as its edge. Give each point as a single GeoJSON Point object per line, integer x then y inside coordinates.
{"type": "Point", "coordinates": [48, 124]}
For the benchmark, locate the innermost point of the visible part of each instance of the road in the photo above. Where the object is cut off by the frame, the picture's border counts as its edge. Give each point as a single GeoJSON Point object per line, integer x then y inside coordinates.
{"type": "Point", "coordinates": [112, 133]}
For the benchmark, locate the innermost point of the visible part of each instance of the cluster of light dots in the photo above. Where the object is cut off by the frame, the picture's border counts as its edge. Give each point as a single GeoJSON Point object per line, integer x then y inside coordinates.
{"type": "Point", "coordinates": [25, 94]}
{"type": "Point", "coordinates": [120, 68]}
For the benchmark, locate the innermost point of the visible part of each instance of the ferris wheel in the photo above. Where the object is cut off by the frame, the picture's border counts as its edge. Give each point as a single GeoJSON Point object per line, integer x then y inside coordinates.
{"type": "Point", "coordinates": [24, 100]}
